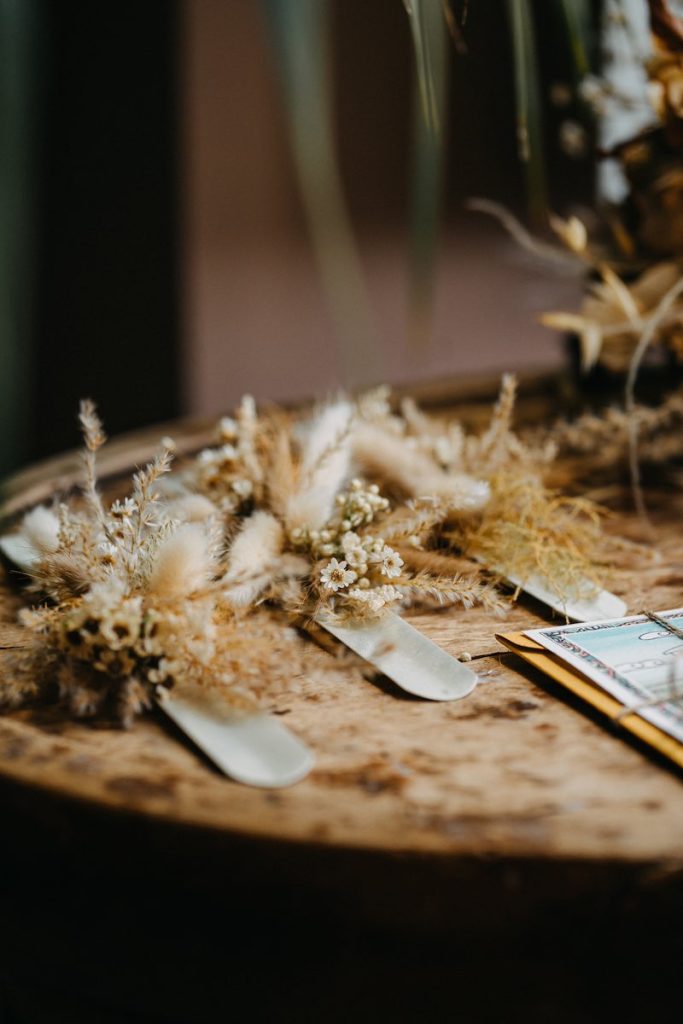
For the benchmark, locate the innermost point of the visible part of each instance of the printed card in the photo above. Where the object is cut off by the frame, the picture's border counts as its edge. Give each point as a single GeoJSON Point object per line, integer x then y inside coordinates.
{"type": "Point", "coordinates": [638, 660]}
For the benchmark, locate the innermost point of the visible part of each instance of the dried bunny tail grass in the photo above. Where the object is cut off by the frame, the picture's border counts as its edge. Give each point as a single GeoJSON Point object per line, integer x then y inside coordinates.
{"type": "Point", "coordinates": [183, 563]}
{"type": "Point", "coordinates": [325, 434]}
{"type": "Point", "coordinates": [442, 591]}
{"type": "Point", "coordinates": [40, 527]}
{"type": "Point", "coordinates": [247, 592]}
{"type": "Point", "coordinates": [325, 459]}
{"type": "Point", "coordinates": [388, 457]}
{"type": "Point", "coordinates": [191, 508]}
{"type": "Point", "coordinates": [255, 548]}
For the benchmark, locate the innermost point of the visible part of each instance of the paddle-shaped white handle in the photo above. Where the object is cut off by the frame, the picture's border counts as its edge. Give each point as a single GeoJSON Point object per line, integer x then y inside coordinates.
{"type": "Point", "coordinates": [400, 651]}
{"type": "Point", "coordinates": [253, 748]}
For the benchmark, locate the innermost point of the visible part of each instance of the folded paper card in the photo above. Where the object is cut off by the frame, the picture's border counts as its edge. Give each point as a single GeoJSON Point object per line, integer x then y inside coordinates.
{"type": "Point", "coordinates": [625, 668]}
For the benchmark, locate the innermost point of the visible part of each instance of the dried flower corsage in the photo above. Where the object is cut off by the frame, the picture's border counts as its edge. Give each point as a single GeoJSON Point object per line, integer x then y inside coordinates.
{"type": "Point", "coordinates": [133, 599]}
{"type": "Point", "coordinates": [314, 538]}
{"type": "Point", "coordinates": [484, 496]}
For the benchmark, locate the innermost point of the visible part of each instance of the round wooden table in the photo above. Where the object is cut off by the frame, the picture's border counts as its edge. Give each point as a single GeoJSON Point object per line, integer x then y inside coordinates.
{"type": "Point", "coordinates": [434, 848]}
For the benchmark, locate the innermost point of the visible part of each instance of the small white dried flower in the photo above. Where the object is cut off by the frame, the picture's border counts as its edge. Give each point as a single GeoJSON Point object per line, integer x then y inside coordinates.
{"type": "Point", "coordinates": [374, 599]}
{"type": "Point", "coordinates": [107, 552]}
{"type": "Point", "coordinates": [123, 509]}
{"type": "Point", "coordinates": [243, 488]}
{"type": "Point", "coordinates": [392, 563]}
{"type": "Point", "coordinates": [336, 575]}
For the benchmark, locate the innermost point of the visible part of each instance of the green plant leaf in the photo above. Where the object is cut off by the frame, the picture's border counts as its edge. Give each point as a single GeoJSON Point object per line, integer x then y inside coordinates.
{"type": "Point", "coordinates": [528, 97]}
{"type": "Point", "coordinates": [575, 15]}
{"type": "Point", "coordinates": [429, 29]}
{"type": "Point", "coordinates": [300, 31]}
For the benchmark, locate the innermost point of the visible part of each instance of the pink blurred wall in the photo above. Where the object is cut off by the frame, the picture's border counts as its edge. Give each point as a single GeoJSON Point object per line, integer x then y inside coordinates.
{"type": "Point", "coordinates": [255, 314]}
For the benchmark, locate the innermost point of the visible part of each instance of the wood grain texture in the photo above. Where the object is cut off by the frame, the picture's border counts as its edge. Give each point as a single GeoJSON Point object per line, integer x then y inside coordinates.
{"type": "Point", "coordinates": [514, 770]}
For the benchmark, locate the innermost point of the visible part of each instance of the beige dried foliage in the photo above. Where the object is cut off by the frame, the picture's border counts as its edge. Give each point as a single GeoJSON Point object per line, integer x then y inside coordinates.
{"type": "Point", "coordinates": [528, 530]}
{"type": "Point", "coordinates": [514, 524]}
{"type": "Point", "coordinates": [596, 446]}
{"type": "Point", "coordinates": [267, 529]}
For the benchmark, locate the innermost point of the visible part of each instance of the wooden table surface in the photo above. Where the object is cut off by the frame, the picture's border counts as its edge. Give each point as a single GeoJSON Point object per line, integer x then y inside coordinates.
{"type": "Point", "coordinates": [415, 812]}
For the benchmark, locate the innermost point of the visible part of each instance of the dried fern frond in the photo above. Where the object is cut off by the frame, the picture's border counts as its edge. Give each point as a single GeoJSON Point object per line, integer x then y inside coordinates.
{"type": "Point", "coordinates": [441, 591]}
{"type": "Point", "coordinates": [417, 517]}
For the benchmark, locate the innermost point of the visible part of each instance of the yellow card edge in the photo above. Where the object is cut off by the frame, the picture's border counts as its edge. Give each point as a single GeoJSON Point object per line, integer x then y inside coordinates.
{"type": "Point", "coordinates": [564, 674]}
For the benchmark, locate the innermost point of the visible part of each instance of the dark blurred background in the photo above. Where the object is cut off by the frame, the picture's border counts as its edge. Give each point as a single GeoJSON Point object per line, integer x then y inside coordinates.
{"type": "Point", "coordinates": [155, 254]}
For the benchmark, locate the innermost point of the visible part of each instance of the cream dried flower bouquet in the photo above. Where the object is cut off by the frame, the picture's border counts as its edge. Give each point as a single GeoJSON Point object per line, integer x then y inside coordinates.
{"type": "Point", "coordinates": [198, 574]}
